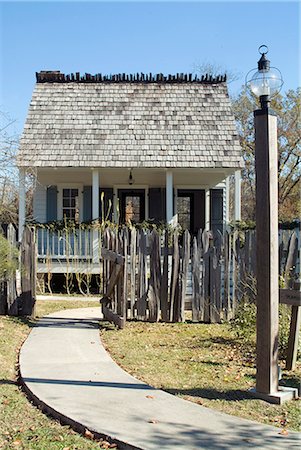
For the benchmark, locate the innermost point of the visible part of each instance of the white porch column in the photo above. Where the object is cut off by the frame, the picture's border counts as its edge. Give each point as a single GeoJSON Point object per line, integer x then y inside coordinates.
{"type": "Point", "coordinates": [227, 218]}
{"type": "Point", "coordinates": [207, 209]}
{"type": "Point", "coordinates": [95, 213]}
{"type": "Point", "coordinates": [169, 196]}
{"type": "Point", "coordinates": [95, 194]}
{"type": "Point", "coordinates": [237, 200]}
{"type": "Point", "coordinates": [22, 202]}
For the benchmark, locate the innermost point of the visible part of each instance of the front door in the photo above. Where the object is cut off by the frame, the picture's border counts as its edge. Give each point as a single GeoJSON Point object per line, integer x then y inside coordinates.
{"type": "Point", "coordinates": [132, 205]}
{"type": "Point", "coordinates": [191, 209]}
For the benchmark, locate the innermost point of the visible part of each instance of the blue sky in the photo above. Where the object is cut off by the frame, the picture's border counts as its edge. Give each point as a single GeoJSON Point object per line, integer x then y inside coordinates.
{"type": "Point", "coordinates": [140, 36]}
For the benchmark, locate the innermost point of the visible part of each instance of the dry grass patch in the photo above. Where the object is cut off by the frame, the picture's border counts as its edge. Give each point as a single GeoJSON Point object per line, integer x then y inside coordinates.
{"type": "Point", "coordinates": [22, 425]}
{"type": "Point", "coordinates": [206, 364]}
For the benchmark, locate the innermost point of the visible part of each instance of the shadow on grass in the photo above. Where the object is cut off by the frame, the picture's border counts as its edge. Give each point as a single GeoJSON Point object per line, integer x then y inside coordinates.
{"type": "Point", "coordinates": [29, 321]}
{"type": "Point", "coordinates": [104, 325]}
{"type": "Point", "coordinates": [10, 382]}
{"type": "Point", "coordinates": [213, 394]}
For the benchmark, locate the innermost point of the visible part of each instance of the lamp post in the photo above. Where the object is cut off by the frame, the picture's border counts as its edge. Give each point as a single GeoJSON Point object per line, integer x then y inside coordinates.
{"type": "Point", "coordinates": [265, 82]}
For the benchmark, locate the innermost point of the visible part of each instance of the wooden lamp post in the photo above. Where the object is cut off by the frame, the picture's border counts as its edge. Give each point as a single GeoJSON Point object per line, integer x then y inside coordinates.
{"type": "Point", "coordinates": [265, 83]}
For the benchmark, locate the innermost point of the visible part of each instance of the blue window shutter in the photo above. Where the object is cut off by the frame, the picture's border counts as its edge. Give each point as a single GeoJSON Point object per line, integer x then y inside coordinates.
{"type": "Point", "coordinates": [51, 203]}
{"type": "Point", "coordinates": [87, 206]}
{"type": "Point", "coordinates": [216, 209]}
{"type": "Point", "coordinates": [157, 204]}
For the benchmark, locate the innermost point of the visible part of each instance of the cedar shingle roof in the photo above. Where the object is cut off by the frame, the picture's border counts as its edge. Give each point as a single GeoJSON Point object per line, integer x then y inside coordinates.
{"type": "Point", "coordinates": [124, 122]}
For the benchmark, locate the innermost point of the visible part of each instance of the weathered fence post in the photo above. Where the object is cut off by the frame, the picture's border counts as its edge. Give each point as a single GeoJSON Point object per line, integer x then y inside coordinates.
{"type": "Point", "coordinates": [133, 257]}
{"type": "Point", "coordinates": [125, 274]}
{"type": "Point", "coordinates": [164, 281]}
{"type": "Point", "coordinates": [206, 275]}
{"type": "Point", "coordinates": [196, 265]}
{"type": "Point", "coordinates": [215, 281]}
{"type": "Point", "coordinates": [291, 260]}
{"type": "Point", "coordinates": [155, 278]}
{"type": "Point", "coordinates": [174, 288]}
{"type": "Point", "coordinates": [183, 275]}
{"type": "Point", "coordinates": [12, 302]}
{"type": "Point", "coordinates": [28, 273]}
{"type": "Point", "coordinates": [3, 297]}
{"type": "Point", "coordinates": [142, 286]}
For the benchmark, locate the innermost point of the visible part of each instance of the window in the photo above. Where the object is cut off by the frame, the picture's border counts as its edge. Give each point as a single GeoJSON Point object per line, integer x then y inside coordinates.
{"type": "Point", "coordinates": [184, 209]}
{"type": "Point", "coordinates": [71, 204]}
{"type": "Point", "coordinates": [132, 207]}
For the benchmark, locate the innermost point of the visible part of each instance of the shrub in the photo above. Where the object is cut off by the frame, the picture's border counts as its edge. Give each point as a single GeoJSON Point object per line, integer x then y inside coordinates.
{"type": "Point", "coordinates": [244, 325]}
{"type": "Point", "coordinates": [8, 258]}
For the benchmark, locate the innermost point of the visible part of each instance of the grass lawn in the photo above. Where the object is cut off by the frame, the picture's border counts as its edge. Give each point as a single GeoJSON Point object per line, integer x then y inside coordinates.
{"type": "Point", "coordinates": [22, 425]}
{"type": "Point", "coordinates": [206, 364]}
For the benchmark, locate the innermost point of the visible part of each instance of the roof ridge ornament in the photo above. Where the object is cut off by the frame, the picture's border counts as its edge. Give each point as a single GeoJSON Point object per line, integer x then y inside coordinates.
{"type": "Point", "coordinates": [55, 76]}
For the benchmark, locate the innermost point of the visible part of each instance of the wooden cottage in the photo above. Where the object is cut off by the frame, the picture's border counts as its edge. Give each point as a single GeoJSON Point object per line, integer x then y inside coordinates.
{"type": "Point", "coordinates": [157, 148]}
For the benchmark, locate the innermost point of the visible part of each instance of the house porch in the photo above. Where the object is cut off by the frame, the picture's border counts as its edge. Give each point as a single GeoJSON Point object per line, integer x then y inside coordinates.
{"type": "Point", "coordinates": [198, 196]}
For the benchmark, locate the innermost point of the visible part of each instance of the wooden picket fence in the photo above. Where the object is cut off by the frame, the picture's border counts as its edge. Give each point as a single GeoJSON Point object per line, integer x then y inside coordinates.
{"type": "Point", "coordinates": [18, 292]}
{"type": "Point", "coordinates": [152, 277]}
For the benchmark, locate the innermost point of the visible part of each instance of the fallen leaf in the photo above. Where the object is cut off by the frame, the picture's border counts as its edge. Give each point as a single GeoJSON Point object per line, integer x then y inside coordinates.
{"type": "Point", "coordinates": [149, 396]}
{"type": "Point", "coordinates": [284, 432]}
{"type": "Point", "coordinates": [88, 434]}
{"type": "Point", "coordinates": [153, 421]}
{"type": "Point", "coordinates": [17, 443]}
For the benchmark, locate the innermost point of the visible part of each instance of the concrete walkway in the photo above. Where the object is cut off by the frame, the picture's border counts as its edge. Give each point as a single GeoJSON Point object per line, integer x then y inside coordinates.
{"type": "Point", "coordinates": [64, 366]}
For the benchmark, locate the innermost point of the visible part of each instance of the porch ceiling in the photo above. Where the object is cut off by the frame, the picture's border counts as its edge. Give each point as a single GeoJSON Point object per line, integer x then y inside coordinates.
{"type": "Point", "coordinates": [141, 176]}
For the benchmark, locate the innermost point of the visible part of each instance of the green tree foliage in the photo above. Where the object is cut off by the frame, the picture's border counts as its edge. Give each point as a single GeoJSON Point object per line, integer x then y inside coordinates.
{"type": "Point", "coordinates": [287, 108]}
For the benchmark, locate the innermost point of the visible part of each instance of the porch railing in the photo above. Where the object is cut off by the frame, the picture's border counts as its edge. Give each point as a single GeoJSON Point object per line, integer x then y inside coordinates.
{"type": "Point", "coordinates": [62, 244]}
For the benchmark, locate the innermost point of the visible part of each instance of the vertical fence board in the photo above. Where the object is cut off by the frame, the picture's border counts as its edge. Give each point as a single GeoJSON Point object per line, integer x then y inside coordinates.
{"type": "Point", "coordinates": [28, 273]}
{"type": "Point", "coordinates": [196, 278]}
{"type": "Point", "coordinates": [206, 276]}
{"type": "Point", "coordinates": [215, 281]}
{"type": "Point", "coordinates": [291, 260]}
{"type": "Point", "coordinates": [164, 281]}
{"type": "Point", "coordinates": [119, 298]}
{"type": "Point", "coordinates": [155, 278]}
{"type": "Point", "coordinates": [12, 302]}
{"type": "Point", "coordinates": [184, 275]}
{"type": "Point", "coordinates": [133, 255]}
{"type": "Point", "coordinates": [174, 277]}
{"type": "Point", "coordinates": [125, 274]}
{"type": "Point", "coordinates": [142, 272]}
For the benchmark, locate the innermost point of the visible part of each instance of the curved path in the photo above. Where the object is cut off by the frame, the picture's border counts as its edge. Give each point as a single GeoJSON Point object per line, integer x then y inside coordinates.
{"type": "Point", "coordinates": [64, 367]}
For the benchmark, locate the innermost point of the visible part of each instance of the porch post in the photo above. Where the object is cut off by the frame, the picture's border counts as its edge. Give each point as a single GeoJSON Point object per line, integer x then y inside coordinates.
{"type": "Point", "coordinates": [95, 194]}
{"type": "Point", "coordinates": [227, 200]}
{"type": "Point", "coordinates": [22, 202]}
{"type": "Point", "coordinates": [207, 209]}
{"type": "Point", "coordinates": [95, 212]}
{"type": "Point", "coordinates": [237, 202]}
{"type": "Point", "coordinates": [169, 196]}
